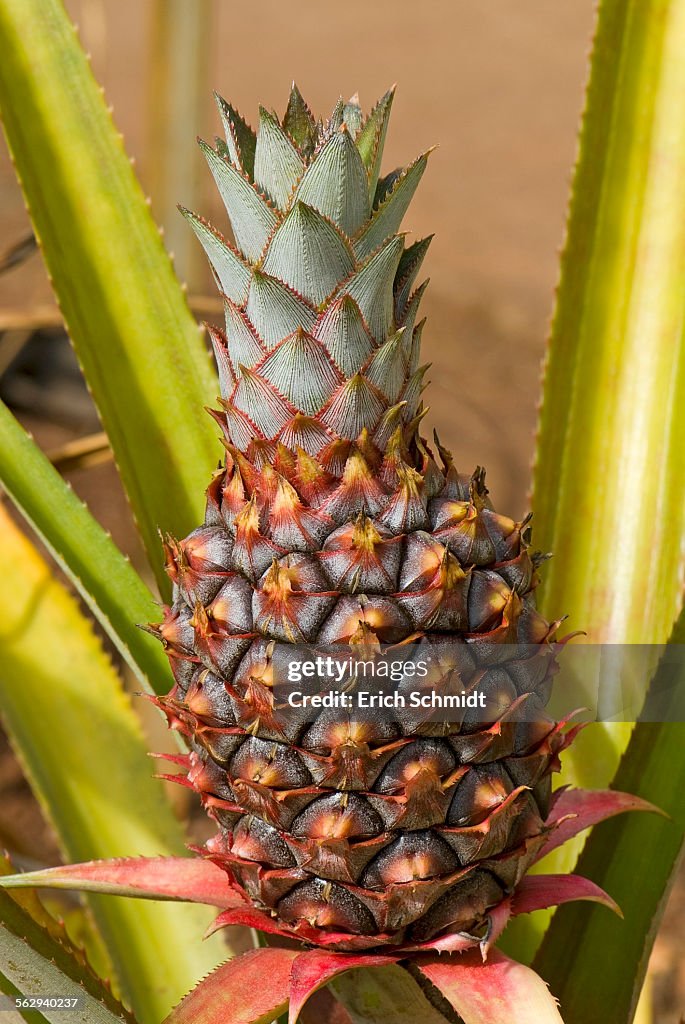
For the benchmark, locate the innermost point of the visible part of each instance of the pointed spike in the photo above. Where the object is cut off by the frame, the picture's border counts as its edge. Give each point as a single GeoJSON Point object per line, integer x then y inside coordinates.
{"type": "Point", "coordinates": [387, 368]}
{"type": "Point", "coordinates": [386, 219]}
{"type": "Point", "coordinates": [344, 335]}
{"type": "Point", "coordinates": [371, 288]}
{"type": "Point", "coordinates": [252, 219]}
{"type": "Point", "coordinates": [275, 310]}
{"type": "Point", "coordinates": [299, 123]}
{"type": "Point", "coordinates": [300, 370]}
{"type": "Point", "coordinates": [240, 138]}
{"type": "Point", "coordinates": [371, 139]}
{"type": "Point", "coordinates": [335, 184]}
{"type": "Point", "coordinates": [355, 405]}
{"type": "Point", "coordinates": [232, 273]}
{"type": "Point", "coordinates": [244, 347]}
{"type": "Point", "coordinates": [308, 253]}
{"type": "Point", "coordinates": [278, 166]}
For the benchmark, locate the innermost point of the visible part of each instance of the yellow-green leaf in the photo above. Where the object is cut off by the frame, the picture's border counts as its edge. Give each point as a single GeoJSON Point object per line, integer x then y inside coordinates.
{"type": "Point", "coordinates": [139, 347]}
{"type": "Point", "coordinates": [84, 753]}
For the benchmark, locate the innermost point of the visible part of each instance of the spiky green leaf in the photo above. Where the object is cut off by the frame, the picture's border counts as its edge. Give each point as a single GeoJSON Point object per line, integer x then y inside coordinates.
{"type": "Point", "coordinates": [251, 216]}
{"type": "Point", "coordinates": [241, 141]}
{"type": "Point", "coordinates": [371, 139]}
{"type": "Point", "coordinates": [86, 553]}
{"type": "Point", "coordinates": [83, 751]}
{"type": "Point", "coordinates": [138, 345]}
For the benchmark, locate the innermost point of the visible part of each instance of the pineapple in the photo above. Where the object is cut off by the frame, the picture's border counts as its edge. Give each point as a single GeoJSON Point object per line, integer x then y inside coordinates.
{"type": "Point", "coordinates": [334, 522]}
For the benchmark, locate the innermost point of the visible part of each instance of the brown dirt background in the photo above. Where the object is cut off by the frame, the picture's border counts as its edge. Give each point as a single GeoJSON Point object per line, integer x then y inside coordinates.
{"type": "Point", "coordinates": [499, 86]}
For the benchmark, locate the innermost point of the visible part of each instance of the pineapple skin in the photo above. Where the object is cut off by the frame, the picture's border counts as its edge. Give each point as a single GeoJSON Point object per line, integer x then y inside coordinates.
{"type": "Point", "coordinates": [333, 522]}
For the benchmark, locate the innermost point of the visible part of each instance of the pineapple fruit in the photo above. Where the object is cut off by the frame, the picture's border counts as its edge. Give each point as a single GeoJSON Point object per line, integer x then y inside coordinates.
{"type": "Point", "coordinates": [334, 522]}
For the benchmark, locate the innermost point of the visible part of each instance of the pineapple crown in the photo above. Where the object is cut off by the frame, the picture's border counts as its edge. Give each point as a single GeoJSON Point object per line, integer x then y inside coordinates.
{"type": "Point", "coordinates": [321, 343]}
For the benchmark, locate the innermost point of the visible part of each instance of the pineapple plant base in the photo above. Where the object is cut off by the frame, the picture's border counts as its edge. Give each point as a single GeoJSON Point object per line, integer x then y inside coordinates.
{"type": "Point", "coordinates": [333, 522]}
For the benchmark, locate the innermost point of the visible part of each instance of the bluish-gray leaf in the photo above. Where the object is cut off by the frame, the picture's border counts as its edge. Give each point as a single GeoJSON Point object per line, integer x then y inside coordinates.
{"type": "Point", "coordinates": [300, 369]}
{"type": "Point", "coordinates": [336, 185]}
{"type": "Point", "coordinates": [344, 334]}
{"type": "Point", "coordinates": [277, 166]}
{"type": "Point", "coordinates": [233, 274]}
{"type": "Point", "coordinates": [244, 347]}
{"type": "Point", "coordinates": [251, 217]}
{"type": "Point", "coordinates": [388, 217]}
{"type": "Point", "coordinates": [352, 116]}
{"type": "Point", "coordinates": [355, 405]}
{"type": "Point", "coordinates": [371, 288]}
{"type": "Point", "coordinates": [275, 311]}
{"type": "Point", "coordinates": [387, 369]}
{"type": "Point", "coordinates": [308, 253]}
{"type": "Point", "coordinates": [258, 400]}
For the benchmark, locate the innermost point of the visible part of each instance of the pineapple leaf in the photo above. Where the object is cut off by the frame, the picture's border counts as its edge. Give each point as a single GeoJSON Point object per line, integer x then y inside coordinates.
{"type": "Point", "coordinates": [275, 310]}
{"type": "Point", "coordinates": [376, 995]}
{"type": "Point", "coordinates": [277, 166]}
{"type": "Point", "coordinates": [84, 753]}
{"type": "Point", "coordinates": [138, 345]}
{"type": "Point", "coordinates": [499, 991]}
{"type": "Point", "coordinates": [335, 183]}
{"type": "Point", "coordinates": [371, 288]}
{"type": "Point", "coordinates": [105, 579]}
{"type": "Point", "coordinates": [252, 989]}
{"type": "Point", "coordinates": [345, 335]}
{"type": "Point", "coordinates": [232, 272]}
{"type": "Point", "coordinates": [388, 216]}
{"type": "Point", "coordinates": [299, 122]}
{"type": "Point", "coordinates": [241, 141]}
{"type": "Point", "coordinates": [187, 879]}
{"type": "Point", "coordinates": [37, 958]}
{"type": "Point", "coordinates": [371, 139]}
{"type": "Point", "coordinates": [602, 953]}
{"type": "Point", "coordinates": [407, 272]}
{"type": "Point", "coordinates": [308, 253]}
{"type": "Point", "coordinates": [609, 480]}
{"type": "Point", "coordinates": [252, 218]}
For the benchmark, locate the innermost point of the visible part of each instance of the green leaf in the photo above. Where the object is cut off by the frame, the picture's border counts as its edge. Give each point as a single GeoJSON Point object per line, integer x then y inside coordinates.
{"type": "Point", "coordinates": [138, 345]}
{"type": "Point", "coordinates": [104, 578]}
{"type": "Point", "coordinates": [83, 751]}
{"type": "Point", "coordinates": [609, 487]}
{"type": "Point", "coordinates": [609, 481]}
{"type": "Point", "coordinates": [37, 959]}
{"type": "Point", "coordinates": [371, 139]}
{"type": "Point", "coordinates": [596, 965]}
{"type": "Point", "coordinates": [377, 995]}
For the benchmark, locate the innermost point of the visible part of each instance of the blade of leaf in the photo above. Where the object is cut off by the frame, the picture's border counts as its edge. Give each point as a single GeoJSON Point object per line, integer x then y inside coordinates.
{"type": "Point", "coordinates": [609, 479]}
{"type": "Point", "coordinates": [138, 345]}
{"type": "Point", "coordinates": [105, 579]}
{"type": "Point", "coordinates": [82, 749]}
{"type": "Point", "coordinates": [499, 991]}
{"type": "Point", "coordinates": [376, 995]}
{"type": "Point", "coordinates": [609, 956]}
{"type": "Point", "coordinates": [36, 961]}
{"type": "Point", "coordinates": [250, 989]}
{"type": "Point", "coordinates": [190, 879]}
